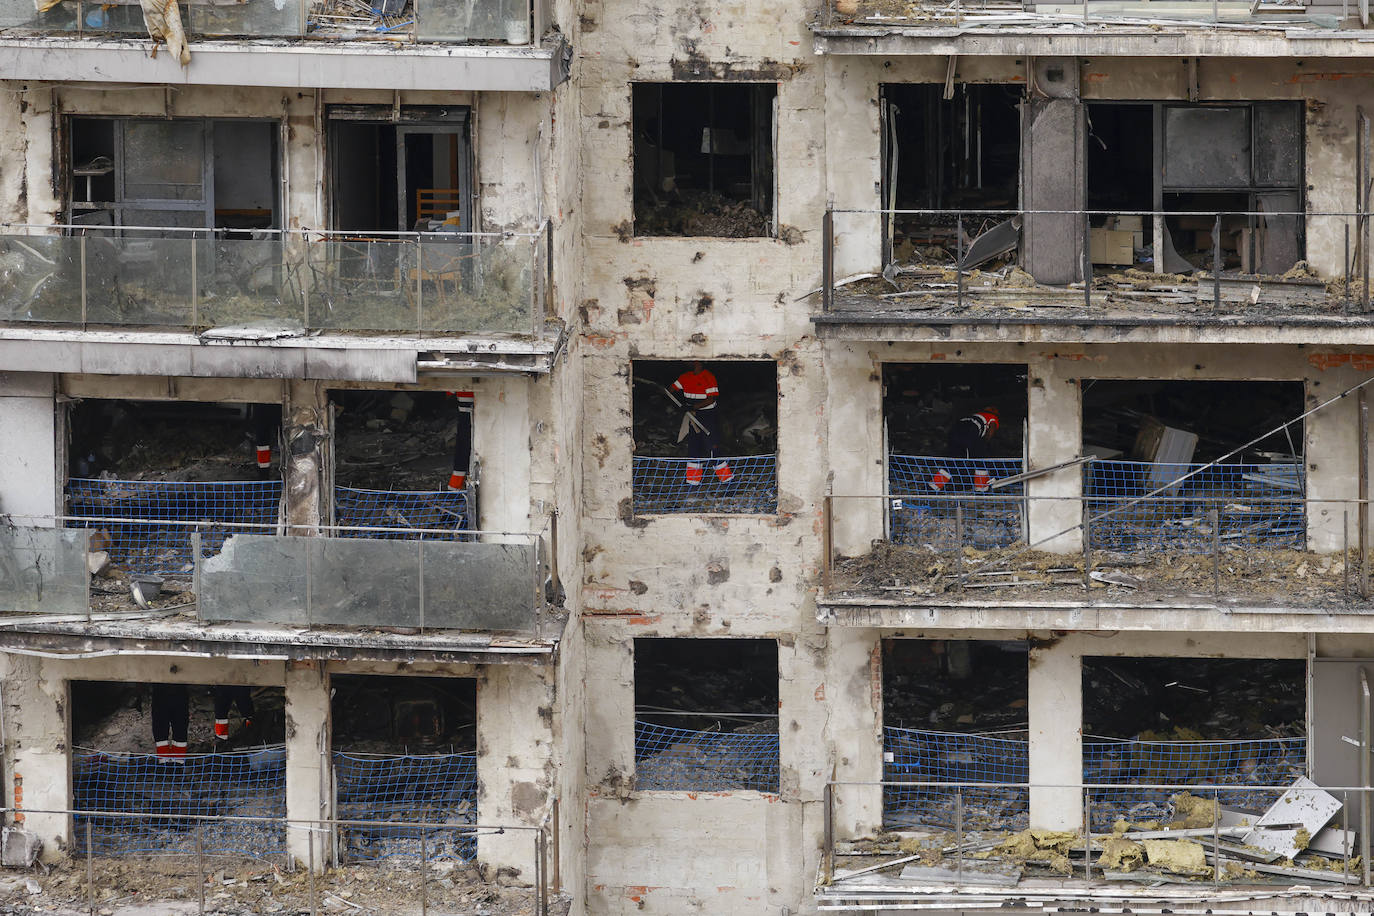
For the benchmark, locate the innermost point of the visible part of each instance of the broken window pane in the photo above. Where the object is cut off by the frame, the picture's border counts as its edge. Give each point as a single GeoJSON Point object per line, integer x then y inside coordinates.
{"type": "Point", "coordinates": [43, 570]}
{"type": "Point", "coordinates": [1278, 144]}
{"type": "Point", "coordinates": [1206, 147]}
{"type": "Point", "coordinates": [703, 159]}
{"type": "Point", "coordinates": [164, 160]}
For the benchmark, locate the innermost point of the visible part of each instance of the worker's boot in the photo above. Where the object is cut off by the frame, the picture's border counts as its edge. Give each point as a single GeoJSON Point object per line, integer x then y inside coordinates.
{"type": "Point", "coordinates": [222, 729]}
{"type": "Point", "coordinates": [693, 475]}
{"type": "Point", "coordinates": [723, 473]}
{"type": "Point", "coordinates": [164, 749]}
{"type": "Point", "coordinates": [177, 752]}
{"type": "Point", "coordinates": [981, 480]}
{"type": "Point", "coordinates": [457, 481]}
{"type": "Point", "coordinates": [939, 480]}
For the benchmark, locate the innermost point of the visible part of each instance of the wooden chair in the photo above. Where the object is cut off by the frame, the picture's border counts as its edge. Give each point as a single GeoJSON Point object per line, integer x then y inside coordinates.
{"type": "Point", "coordinates": [437, 203]}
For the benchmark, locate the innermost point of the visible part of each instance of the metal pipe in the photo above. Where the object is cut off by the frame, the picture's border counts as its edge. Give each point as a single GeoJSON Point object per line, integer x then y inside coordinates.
{"type": "Point", "coordinates": [1216, 553]}
{"type": "Point", "coordinates": [424, 872]}
{"type": "Point", "coordinates": [1364, 775]}
{"type": "Point", "coordinates": [959, 833]}
{"type": "Point", "coordinates": [1362, 508]}
{"type": "Point", "coordinates": [828, 539]}
{"type": "Point", "coordinates": [1087, 250]}
{"type": "Point", "coordinates": [828, 260]}
{"type": "Point", "coordinates": [200, 870]}
{"type": "Point", "coordinates": [90, 868]}
{"type": "Point", "coordinates": [1216, 261]}
{"type": "Point", "coordinates": [828, 835]}
{"type": "Point", "coordinates": [959, 258]}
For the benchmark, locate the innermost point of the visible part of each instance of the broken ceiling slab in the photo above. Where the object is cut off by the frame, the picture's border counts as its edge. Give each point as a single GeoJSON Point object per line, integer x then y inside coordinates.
{"type": "Point", "coordinates": [1305, 804]}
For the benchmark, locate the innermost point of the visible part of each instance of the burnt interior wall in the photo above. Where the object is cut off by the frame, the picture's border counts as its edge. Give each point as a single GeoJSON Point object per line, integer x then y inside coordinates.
{"type": "Point", "coordinates": [167, 440]}
{"type": "Point", "coordinates": [692, 683]}
{"type": "Point", "coordinates": [703, 158]}
{"type": "Point", "coordinates": [396, 715]}
{"type": "Point", "coordinates": [747, 408]}
{"type": "Point", "coordinates": [393, 440]}
{"type": "Point", "coordinates": [1223, 414]}
{"type": "Point", "coordinates": [1194, 698]}
{"type": "Point", "coordinates": [115, 717]}
{"type": "Point", "coordinates": [921, 401]}
{"type": "Point", "coordinates": [956, 685]}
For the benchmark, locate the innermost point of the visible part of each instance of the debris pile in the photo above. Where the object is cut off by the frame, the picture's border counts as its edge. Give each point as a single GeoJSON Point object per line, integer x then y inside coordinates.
{"type": "Point", "coordinates": [1292, 840]}
{"type": "Point", "coordinates": [386, 440]}
{"type": "Point", "coordinates": [691, 212]}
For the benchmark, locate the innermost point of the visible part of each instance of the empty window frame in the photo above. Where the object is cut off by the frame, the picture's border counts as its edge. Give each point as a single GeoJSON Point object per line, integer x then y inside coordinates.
{"type": "Point", "coordinates": [703, 159]}
{"type": "Point", "coordinates": [1242, 161]}
{"type": "Point", "coordinates": [192, 173]}
{"type": "Point", "coordinates": [717, 459]}
{"type": "Point", "coordinates": [407, 175]}
{"type": "Point", "coordinates": [706, 714]}
{"type": "Point", "coordinates": [946, 154]}
{"type": "Point", "coordinates": [955, 711]}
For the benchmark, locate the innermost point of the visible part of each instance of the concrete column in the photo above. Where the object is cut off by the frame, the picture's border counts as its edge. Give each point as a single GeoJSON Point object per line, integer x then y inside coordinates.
{"type": "Point", "coordinates": [1054, 435]}
{"type": "Point", "coordinates": [28, 447]}
{"type": "Point", "coordinates": [1332, 452]}
{"type": "Point", "coordinates": [516, 768]}
{"type": "Point", "coordinates": [501, 439]}
{"type": "Point", "coordinates": [1055, 706]}
{"type": "Point", "coordinates": [851, 701]}
{"type": "Point", "coordinates": [307, 473]}
{"type": "Point", "coordinates": [308, 771]}
{"type": "Point", "coordinates": [855, 412]}
{"type": "Point", "coordinates": [37, 741]}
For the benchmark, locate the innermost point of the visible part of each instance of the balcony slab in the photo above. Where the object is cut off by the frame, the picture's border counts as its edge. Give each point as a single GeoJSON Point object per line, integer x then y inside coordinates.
{"type": "Point", "coordinates": [289, 64]}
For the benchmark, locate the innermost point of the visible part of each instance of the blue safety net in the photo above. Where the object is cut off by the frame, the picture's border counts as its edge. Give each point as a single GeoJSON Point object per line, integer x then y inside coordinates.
{"type": "Point", "coordinates": [1238, 763]}
{"type": "Point", "coordinates": [1258, 505]}
{"type": "Point", "coordinates": [165, 549]}
{"type": "Point", "coordinates": [668, 758]}
{"type": "Point", "coordinates": [930, 756]}
{"type": "Point", "coordinates": [663, 485]}
{"type": "Point", "coordinates": [956, 514]}
{"type": "Point", "coordinates": [427, 789]}
{"type": "Point", "coordinates": [162, 794]}
{"type": "Point", "coordinates": [431, 509]}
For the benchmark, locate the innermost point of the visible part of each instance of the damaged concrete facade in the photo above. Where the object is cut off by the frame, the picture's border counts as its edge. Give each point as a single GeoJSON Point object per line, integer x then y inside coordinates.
{"type": "Point", "coordinates": [629, 267]}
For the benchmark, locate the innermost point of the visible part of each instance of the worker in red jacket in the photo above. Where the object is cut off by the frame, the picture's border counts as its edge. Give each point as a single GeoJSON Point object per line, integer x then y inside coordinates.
{"type": "Point", "coordinates": [462, 445]}
{"type": "Point", "coordinates": [699, 392]}
{"type": "Point", "coordinates": [968, 439]}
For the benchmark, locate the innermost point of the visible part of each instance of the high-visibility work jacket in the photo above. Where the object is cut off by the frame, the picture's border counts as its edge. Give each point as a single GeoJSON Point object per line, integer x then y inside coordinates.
{"type": "Point", "coordinates": [465, 398]}
{"type": "Point", "coordinates": [696, 387]}
{"type": "Point", "coordinates": [982, 421]}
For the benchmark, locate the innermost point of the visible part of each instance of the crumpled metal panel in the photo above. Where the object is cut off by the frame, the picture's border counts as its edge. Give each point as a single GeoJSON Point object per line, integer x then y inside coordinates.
{"type": "Point", "coordinates": [358, 582]}
{"type": "Point", "coordinates": [43, 570]}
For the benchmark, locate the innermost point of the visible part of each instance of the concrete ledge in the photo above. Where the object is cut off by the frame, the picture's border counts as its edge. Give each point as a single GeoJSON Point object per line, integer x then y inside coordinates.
{"type": "Point", "coordinates": [290, 64]}
{"type": "Point", "coordinates": [1026, 615]}
{"type": "Point", "coordinates": [1065, 38]}
{"type": "Point", "coordinates": [324, 356]}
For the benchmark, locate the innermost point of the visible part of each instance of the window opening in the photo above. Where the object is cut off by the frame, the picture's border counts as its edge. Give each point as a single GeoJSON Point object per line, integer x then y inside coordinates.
{"type": "Point", "coordinates": [703, 158]}
{"type": "Point", "coordinates": [402, 460]}
{"type": "Point", "coordinates": [1147, 433]}
{"type": "Point", "coordinates": [938, 728]}
{"type": "Point", "coordinates": [405, 749]}
{"type": "Point", "coordinates": [706, 714]}
{"type": "Point", "coordinates": [164, 751]}
{"type": "Point", "coordinates": [155, 464]}
{"type": "Point", "coordinates": [717, 457]}
{"type": "Point", "coordinates": [1190, 721]}
{"type": "Point", "coordinates": [953, 432]}
{"type": "Point", "coordinates": [948, 154]}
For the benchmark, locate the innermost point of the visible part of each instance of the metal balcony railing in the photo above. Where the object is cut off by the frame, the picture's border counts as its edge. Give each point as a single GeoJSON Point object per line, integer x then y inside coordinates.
{"type": "Point", "coordinates": [509, 22]}
{"type": "Point", "coordinates": [1217, 14]}
{"type": "Point", "coordinates": [431, 579]}
{"type": "Point", "coordinates": [195, 279]}
{"type": "Point", "coordinates": [1231, 256]}
{"type": "Point", "coordinates": [1188, 547]}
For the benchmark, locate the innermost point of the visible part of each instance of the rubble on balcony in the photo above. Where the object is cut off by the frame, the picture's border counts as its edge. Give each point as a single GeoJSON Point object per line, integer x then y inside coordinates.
{"type": "Point", "coordinates": [892, 573]}
{"type": "Point", "coordinates": [1193, 841]}
{"type": "Point", "coordinates": [1070, 16]}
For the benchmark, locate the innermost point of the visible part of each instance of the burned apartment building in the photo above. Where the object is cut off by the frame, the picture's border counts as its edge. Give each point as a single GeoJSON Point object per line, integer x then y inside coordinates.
{"type": "Point", "coordinates": [831, 457]}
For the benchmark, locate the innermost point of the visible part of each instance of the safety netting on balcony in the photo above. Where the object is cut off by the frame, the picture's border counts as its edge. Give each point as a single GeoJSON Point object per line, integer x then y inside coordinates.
{"type": "Point", "coordinates": [745, 485]}
{"type": "Point", "coordinates": [1238, 767]}
{"type": "Point", "coordinates": [668, 758]}
{"type": "Point", "coordinates": [448, 510]}
{"type": "Point", "coordinates": [937, 502]}
{"type": "Point", "coordinates": [918, 755]}
{"type": "Point", "coordinates": [166, 797]}
{"type": "Point", "coordinates": [416, 788]}
{"type": "Point", "coordinates": [1256, 505]}
{"type": "Point", "coordinates": [1134, 763]}
{"type": "Point", "coordinates": [148, 542]}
